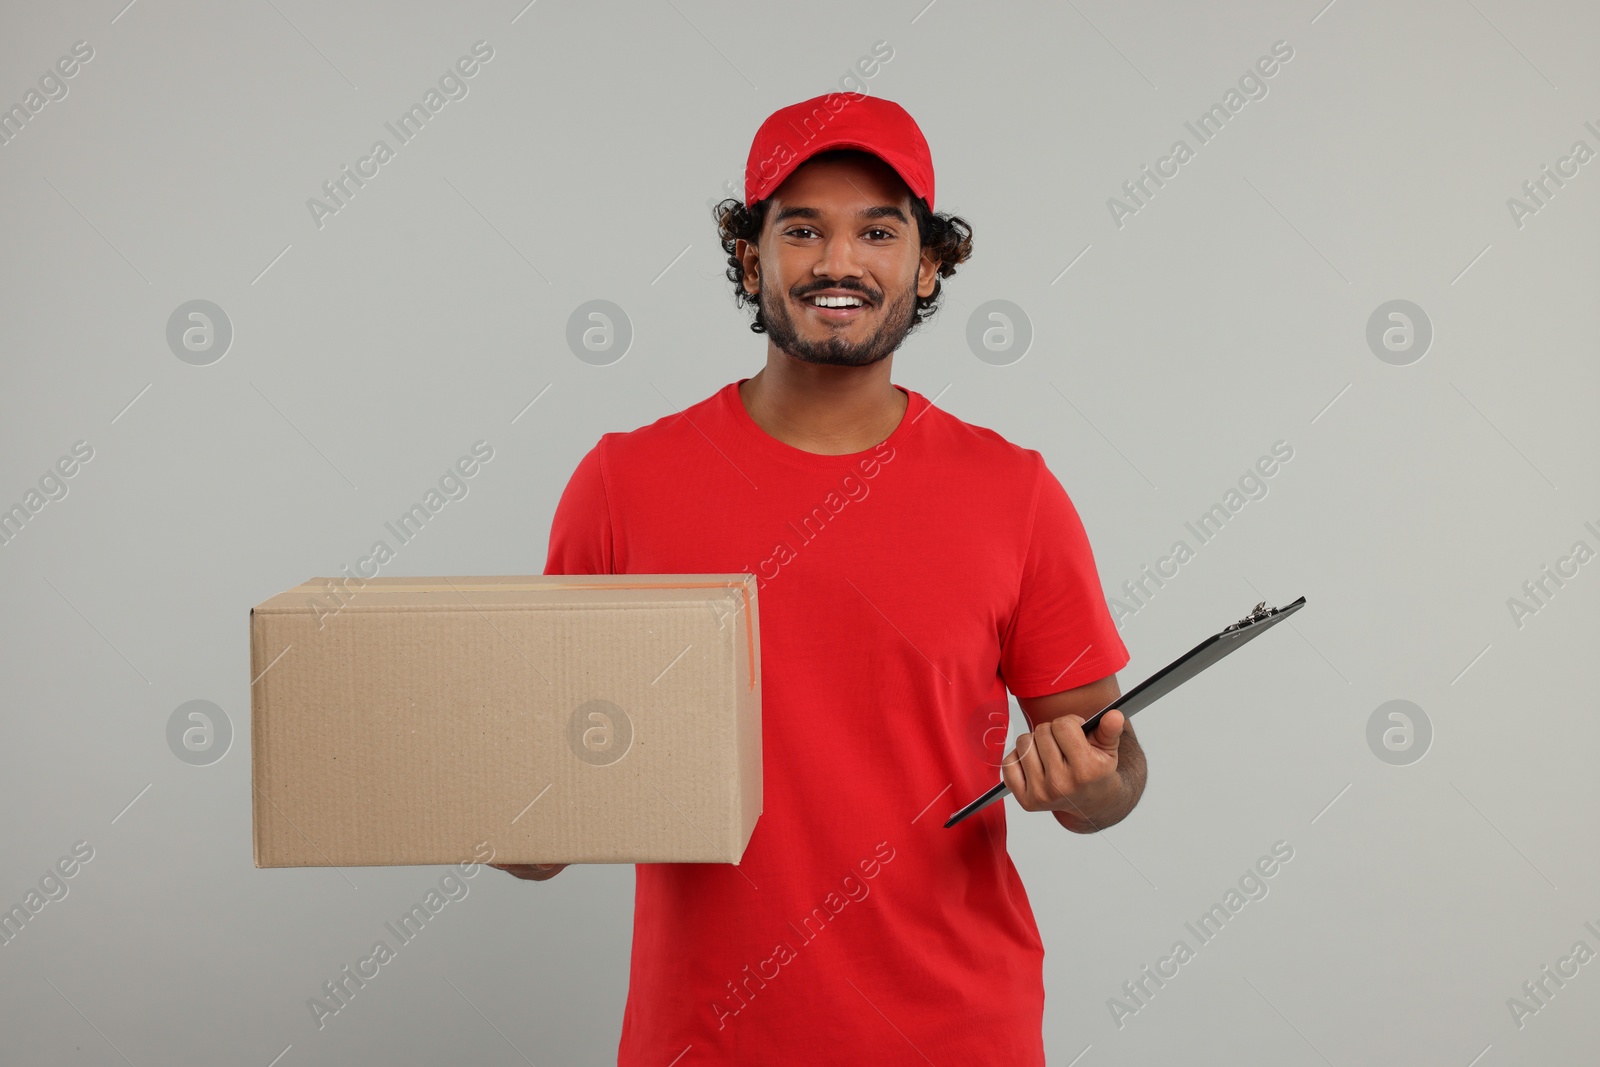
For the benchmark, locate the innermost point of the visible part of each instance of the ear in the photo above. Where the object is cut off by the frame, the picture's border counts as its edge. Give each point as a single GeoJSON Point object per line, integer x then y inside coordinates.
{"type": "Point", "coordinates": [747, 254]}
{"type": "Point", "coordinates": [927, 273]}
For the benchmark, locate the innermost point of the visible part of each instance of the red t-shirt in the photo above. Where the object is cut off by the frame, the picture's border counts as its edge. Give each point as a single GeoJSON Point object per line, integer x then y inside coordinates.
{"type": "Point", "coordinates": [902, 591]}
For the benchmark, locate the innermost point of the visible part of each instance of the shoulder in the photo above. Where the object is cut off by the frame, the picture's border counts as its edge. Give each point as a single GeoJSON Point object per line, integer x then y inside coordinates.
{"type": "Point", "coordinates": [662, 439]}
{"type": "Point", "coordinates": [1001, 458]}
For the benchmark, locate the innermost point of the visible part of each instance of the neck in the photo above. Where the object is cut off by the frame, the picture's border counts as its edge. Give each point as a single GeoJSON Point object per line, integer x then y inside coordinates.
{"type": "Point", "coordinates": [824, 409]}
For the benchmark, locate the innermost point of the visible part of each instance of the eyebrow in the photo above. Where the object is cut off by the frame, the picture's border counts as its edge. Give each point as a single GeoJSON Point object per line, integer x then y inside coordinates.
{"type": "Point", "coordinates": [882, 211]}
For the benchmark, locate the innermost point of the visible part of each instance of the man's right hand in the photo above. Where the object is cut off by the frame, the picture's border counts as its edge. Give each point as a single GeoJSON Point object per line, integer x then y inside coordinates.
{"type": "Point", "coordinates": [536, 872]}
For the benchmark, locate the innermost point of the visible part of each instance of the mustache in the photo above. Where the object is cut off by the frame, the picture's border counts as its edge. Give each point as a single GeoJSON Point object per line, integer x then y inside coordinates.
{"type": "Point", "coordinates": [864, 294]}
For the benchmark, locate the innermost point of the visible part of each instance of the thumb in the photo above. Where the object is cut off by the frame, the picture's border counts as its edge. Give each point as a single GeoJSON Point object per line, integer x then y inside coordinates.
{"type": "Point", "coordinates": [1108, 731]}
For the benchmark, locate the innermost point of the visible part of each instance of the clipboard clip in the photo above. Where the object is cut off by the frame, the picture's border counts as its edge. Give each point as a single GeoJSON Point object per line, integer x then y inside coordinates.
{"type": "Point", "coordinates": [1257, 613]}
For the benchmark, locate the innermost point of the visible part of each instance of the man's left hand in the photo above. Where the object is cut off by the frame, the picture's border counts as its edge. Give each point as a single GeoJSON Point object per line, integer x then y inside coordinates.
{"type": "Point", "coordinates": [1057, 767]}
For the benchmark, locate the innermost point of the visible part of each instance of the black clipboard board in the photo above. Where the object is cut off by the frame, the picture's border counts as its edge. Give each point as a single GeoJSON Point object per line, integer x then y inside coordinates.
{"type": "Point", "coordinates": [1237, 635]}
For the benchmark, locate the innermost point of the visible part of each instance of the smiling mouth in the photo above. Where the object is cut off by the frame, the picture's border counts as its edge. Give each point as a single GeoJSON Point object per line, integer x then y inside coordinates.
{"type": "Point", "coordinates": [837, 308]}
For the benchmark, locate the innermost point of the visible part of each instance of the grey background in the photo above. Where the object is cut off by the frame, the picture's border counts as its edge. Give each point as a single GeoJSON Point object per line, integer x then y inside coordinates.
{"type": "Point", "coordinates": [1229, 313]}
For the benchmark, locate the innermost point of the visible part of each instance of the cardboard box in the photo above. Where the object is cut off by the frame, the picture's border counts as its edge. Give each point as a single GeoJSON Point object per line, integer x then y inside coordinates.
{"type": "Point", "coordinates": [611, 718]}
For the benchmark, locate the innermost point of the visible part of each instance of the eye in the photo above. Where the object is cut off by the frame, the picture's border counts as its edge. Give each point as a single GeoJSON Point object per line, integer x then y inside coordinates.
{"type": "Point", "coordinates": [886, 233]}
{"type": "Point", "coordinates": [799, 229]}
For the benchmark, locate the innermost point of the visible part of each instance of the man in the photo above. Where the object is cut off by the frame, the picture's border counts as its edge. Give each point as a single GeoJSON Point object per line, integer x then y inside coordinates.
{"type": "Point", "coordinates": [911, 568]}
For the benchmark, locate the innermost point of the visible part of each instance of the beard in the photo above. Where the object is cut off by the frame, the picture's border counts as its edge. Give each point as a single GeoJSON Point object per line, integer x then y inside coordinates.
{"type": "Point", "coordinates": [898, 317]}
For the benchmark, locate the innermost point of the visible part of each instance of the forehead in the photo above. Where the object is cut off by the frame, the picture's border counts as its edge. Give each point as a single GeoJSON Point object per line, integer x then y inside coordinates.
{"type": "Point", "coordinates": [851, 185]}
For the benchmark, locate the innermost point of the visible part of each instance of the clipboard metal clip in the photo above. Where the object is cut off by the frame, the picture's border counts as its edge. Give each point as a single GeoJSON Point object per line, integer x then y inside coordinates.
{"type": "Point", "coordinates": [1257, 613]}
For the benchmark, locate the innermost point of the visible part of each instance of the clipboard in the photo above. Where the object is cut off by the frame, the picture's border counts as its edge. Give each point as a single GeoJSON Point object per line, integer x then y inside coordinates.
{"type": "Point", "coordinates": [1237, 635]}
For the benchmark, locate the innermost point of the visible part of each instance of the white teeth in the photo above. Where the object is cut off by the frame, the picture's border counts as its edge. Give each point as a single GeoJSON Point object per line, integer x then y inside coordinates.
{"type": "Point", "coordinates": [837, 301]}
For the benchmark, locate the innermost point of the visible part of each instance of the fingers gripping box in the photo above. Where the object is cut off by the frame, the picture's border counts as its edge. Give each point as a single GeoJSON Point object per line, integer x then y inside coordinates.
{"type": "Point", "coordinates": [610, 718]}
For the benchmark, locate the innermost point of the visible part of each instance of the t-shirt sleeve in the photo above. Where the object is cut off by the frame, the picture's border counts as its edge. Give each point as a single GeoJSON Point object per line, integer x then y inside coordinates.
{"type": "Point", "coordinates": [580, 530]}
{"type": "Point", "coordinates": [1061, 633]}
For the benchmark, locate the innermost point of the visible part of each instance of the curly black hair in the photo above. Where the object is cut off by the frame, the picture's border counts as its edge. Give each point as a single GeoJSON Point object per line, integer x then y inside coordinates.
{"type": "Point", "coordinates": [949, 237]}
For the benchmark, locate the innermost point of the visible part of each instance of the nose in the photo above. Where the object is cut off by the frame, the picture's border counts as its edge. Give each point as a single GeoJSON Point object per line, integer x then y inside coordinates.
{"type": "Point", "coordinates": [838, 259]}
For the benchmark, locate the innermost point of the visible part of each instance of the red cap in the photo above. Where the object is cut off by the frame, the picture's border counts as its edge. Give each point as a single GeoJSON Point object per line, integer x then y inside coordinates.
{"type": "Point", "coordinates": [794, 134]}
